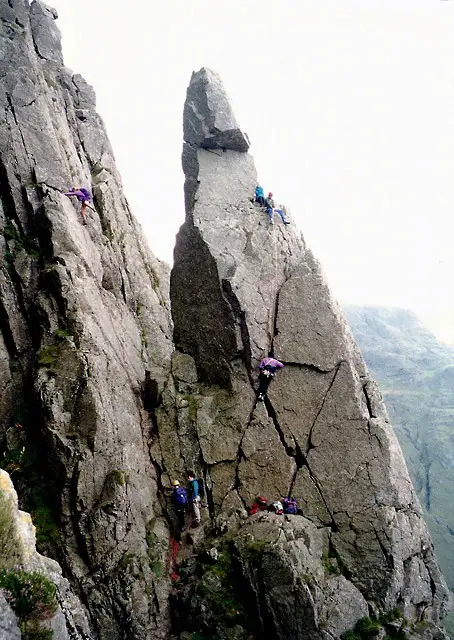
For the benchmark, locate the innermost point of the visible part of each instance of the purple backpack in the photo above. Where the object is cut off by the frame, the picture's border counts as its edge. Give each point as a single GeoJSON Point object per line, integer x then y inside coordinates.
{"type": "Point", "coordinates": [86, 193]}
{"type": "Point", "coordinates": [290, 505]}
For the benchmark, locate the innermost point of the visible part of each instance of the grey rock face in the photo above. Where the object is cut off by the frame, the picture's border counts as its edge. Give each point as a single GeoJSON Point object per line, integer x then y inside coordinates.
{"type": "Point", "coordinates": [208, 117]}
{"type": "Point", "coordinates": [302, 598]}
{"type": "Point", "coordinates": [9, 629]}
{"type": "Point", "coordinates": [86, 332]}
{"type": "Point", "coordinates": [45, 33]}
{"type": "Point", "coordinates": [239, 291]}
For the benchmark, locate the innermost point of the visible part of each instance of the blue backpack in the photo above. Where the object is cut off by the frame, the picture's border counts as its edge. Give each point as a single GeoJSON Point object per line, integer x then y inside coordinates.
{"type": "Point", "coordinates": [290, 505]}
{"type": "Point", "coordinates": [181, 496]}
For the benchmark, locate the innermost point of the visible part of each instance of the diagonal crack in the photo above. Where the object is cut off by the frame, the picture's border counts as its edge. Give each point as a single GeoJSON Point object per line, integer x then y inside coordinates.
{"type": "Point", "coordinates": [316, 483]}
{"type": "Point", "coordinates": [241, 455]}
{"type": "Point", "coordinates": [240, 317]}
{"type": "Point", "coordinates": [388, 556]}
{"type": "Point", "coordinates": [368, 401]}
{"type": "Point", "coordinates": [13, 113]}
{"type": "Point", "coordinates": [310, 445]}
{"type": "Point", "coordinates": [311, 366]}
{"type": "Point", "coordinates": [293, 452]}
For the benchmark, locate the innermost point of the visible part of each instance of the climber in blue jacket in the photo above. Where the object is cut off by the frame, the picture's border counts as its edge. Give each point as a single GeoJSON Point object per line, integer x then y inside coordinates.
{"type": "Point", "coordinates": [193, 493]}
{"type": "Point", "coordinates": [260, 195]}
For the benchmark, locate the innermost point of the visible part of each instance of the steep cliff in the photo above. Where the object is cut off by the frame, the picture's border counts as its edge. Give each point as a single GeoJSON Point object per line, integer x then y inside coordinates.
{"type": "Point", "coordinates": [99, 411]}
{"type": "Point", "coordinates": [86, 334]}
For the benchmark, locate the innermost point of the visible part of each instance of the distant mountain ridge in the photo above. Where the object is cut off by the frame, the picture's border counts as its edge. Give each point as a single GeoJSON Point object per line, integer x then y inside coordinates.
{"type": "Point", "coordinates": [441, 323]}
{"type": "Point", "coordinates": [416, 376]}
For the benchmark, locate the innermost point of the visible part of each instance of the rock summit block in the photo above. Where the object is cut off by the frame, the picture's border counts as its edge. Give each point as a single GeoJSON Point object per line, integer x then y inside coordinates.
{"type": "Point", "coordinates": [208, 118]}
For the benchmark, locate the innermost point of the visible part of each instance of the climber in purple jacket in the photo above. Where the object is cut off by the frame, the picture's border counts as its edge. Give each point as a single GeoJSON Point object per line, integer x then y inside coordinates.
{"type": "Point", "coordinates": [84, 196]}
{"type": "Point", "coordinates": [268, 368]}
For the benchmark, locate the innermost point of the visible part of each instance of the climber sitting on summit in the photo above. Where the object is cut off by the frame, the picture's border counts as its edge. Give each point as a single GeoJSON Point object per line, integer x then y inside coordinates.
{"type": "Point", "coordinates": [260, 195]}
{"type": "Point", "coordinates": [270, 209]}
{"type": "Point", "coordinates": [84, 196]}
{"type": "Point", "coordinates": [268, 368]}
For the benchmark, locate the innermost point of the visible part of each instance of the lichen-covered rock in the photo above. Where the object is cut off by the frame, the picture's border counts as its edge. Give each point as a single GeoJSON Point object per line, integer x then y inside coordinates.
{"type": "Point", "coordinates": [284, 559]}
{"type": "Point", "coordinates": [270, 580]}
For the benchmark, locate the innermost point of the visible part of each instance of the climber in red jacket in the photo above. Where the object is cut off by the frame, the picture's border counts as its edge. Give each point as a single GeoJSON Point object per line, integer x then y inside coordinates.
{"type": "Point", "coordinates": [259, 505]}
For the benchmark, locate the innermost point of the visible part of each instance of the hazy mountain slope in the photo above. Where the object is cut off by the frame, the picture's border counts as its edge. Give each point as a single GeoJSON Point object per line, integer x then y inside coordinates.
{"type": "Point", "coordinates": [416, 375]}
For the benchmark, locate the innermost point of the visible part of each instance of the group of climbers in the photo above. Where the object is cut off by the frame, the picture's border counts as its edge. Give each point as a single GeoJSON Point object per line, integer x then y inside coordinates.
{"type": "Point", "coordinates": [287, 506]}
{"type": "Point", "coordinates": [268, 204]}
{"type": "Point", "coordinates": [84, 196]}
{"type": "Point", "coordinates": [187, 501]}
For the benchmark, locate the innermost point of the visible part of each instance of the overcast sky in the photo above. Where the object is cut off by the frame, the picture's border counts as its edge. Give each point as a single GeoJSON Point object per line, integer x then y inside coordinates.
{"type": "Point", "coordinates": [349, 106]}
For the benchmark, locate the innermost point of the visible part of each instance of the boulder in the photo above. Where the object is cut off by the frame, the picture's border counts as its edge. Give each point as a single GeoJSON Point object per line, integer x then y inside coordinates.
{"type": "Point", "coordinates": [208, 117]}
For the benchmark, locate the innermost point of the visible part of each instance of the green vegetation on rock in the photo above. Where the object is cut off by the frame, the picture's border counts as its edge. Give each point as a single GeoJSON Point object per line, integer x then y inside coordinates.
{"type": "Point", "coordinates": [367, 627]}
{"type": "Point", "coordinates": [154, 551]}
{"type": "Point", "coordinates": [210, 598]}
{"type": "Point", "coordinates": [33, 599]}
{"type": "Point", "coordinates": [22, 462]}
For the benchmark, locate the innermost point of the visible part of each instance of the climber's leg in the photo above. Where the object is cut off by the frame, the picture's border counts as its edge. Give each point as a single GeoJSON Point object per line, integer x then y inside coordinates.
{"type": "Point", "coordinates": [264, 383]}
{"type": "Point", "coordinates": [82, 212]}
{"type": "Point", "coordinates": [281, 213]}
{"type": "Point", "coordinates": [270, 214]}
{"type": "Point", "coordinates": [180, 513]}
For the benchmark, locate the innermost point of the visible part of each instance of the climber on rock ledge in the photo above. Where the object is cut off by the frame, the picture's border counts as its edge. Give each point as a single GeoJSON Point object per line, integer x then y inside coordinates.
{"type": "Point", "coordinates": [260, 195]}
{"type": "Point", "coordinates": [268, 368]}
{"type": "Point", "coordinates": [84, 196]}
{"type": "Point", "coordinates": [270, 209]}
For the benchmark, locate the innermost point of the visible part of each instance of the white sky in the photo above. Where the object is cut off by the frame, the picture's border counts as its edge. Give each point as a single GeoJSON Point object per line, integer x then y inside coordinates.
{"type": "Point", "coordinates": [349, 106]}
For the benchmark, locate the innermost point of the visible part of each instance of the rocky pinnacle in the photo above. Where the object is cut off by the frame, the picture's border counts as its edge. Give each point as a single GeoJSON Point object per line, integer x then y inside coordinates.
{"type": "Point", "coordinates": [240, 290]}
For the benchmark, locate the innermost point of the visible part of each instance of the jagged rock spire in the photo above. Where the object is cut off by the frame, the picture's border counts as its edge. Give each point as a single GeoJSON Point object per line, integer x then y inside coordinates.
{"type": "Point", "coordinates": [208, 119]}
{"type": "Point", "coordinates": [240, 289]}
